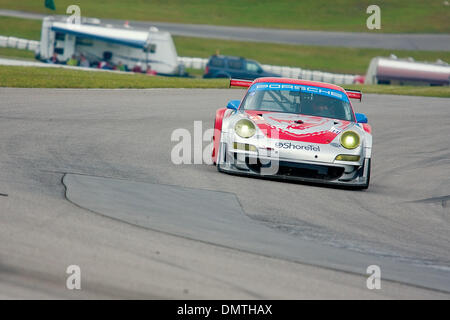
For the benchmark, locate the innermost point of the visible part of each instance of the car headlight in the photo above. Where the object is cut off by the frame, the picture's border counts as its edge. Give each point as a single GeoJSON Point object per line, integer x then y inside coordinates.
{"type": "Point", "coordinates": [350, 140]}
{"type": "Point", "coordinates": [245, 128]}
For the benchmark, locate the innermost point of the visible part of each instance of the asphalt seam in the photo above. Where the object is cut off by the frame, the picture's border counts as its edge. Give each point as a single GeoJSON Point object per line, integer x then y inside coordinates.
{"type": "Point", "coordinates": [231, 248]}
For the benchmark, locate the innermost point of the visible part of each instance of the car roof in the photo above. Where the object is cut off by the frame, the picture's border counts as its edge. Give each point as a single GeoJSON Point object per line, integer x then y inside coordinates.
{"type": "Point", "coordinates": [299, 81]}
{"type": "Point", "coordinates": [226, 57]}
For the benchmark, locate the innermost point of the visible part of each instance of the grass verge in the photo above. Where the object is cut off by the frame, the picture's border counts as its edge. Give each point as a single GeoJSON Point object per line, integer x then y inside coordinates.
{"type": "Point", "coordinates": [20, 28]}
{"type": "Point", "coordinates": [330, 59]}
{"type": "Point", "coordinates": [16, 54]}
{"type": "Point", "coordinates": [423, 91]}
{"type": "Point", "coordinates": [409, 16]}
{"type": "Point", "coordinates": [35, 77]}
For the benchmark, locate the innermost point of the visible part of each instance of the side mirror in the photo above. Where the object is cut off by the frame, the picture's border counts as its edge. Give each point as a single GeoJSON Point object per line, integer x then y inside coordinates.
{"type": "Point", "coordinates": [361, 118]}
{"type": "Point", "coordinates": [233, 104]}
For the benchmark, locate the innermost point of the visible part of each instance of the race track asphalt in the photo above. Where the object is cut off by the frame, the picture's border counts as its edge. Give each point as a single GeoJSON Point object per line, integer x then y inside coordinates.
{"type": "Point", "coordinates": [86, 178]}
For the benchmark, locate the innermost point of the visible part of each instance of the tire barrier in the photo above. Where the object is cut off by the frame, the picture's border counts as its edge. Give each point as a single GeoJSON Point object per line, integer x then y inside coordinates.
{"type": "Point", "coordinates": [17, 43]}
{"type": "Point", "coordinates": [284, 71]}
{"type": "Point", "coordinates": [200, 63]}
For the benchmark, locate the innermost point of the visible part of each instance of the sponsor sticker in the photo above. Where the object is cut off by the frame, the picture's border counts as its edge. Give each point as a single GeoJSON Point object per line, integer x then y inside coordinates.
{"type": "Point", "coordinates": [297, 87]}
{"type": "Point", "coordinates": [335, 130]}
{"type": "Point", "coordinates": [293, 146]}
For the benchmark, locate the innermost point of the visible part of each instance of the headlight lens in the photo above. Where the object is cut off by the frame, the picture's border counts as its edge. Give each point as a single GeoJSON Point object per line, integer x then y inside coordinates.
{"type": "Point", "coordinates": [350, 140]}
{"type": "Point", "coordinates": [245, 128]}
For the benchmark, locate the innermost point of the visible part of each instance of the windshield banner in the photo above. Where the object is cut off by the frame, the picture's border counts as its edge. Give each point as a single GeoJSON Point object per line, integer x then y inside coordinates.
{"type": "Point", "coordinates": [301, 88]}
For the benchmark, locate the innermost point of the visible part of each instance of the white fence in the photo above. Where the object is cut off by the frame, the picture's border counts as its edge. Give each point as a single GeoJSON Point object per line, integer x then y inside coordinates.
{"type": "Point", "coordinates": [200, 63]}
{"type": "Point", "coordinates": [17, 43]}
{"type": "Point", "coordinates": [288, 72]}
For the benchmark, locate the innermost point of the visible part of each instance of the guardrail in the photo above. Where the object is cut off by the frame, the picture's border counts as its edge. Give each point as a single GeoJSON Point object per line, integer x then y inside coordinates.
{"type": "Point", "coordinates": [284, 71]}
{"type": "Point", "coordinates": [200, 63]}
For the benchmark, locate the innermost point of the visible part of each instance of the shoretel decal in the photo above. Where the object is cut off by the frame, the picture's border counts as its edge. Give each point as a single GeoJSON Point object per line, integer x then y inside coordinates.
{"type": "Point", "coordinates": [290, 145]}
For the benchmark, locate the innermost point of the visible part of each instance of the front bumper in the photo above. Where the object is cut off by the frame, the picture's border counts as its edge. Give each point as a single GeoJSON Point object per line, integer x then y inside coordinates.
{"type": "Point", "coordinates": [268, 166]}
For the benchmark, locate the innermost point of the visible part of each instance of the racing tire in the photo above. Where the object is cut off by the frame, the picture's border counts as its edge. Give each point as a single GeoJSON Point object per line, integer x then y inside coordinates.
{"type": "Point", "coordinates": [218, 158]}
{"type": "Point", "coordinates": [366, 185]}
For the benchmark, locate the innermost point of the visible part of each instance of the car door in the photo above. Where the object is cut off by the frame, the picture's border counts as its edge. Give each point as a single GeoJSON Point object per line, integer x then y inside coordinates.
{"type": "Point", "coordinates": [216, 67]}
{"type": "Point", "coordinates": [253, 69]}
{"type": "Point", "coordinates": [236, 69]}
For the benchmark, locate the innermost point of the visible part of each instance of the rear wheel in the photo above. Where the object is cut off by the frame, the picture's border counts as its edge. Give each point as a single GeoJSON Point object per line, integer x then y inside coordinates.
{"type": "Point", "coordinates": [218, 159]}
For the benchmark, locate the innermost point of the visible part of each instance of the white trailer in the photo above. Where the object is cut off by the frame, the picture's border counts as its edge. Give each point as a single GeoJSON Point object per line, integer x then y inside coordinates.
{"type": "Point", "coordinates": [407, 72]}
{"type": "Point", "coordinates": [128, 46]}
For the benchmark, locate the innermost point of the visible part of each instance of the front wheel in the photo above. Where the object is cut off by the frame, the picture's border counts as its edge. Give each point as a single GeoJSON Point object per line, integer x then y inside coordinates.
{"type": "Point", "coordinates": [366, 185]}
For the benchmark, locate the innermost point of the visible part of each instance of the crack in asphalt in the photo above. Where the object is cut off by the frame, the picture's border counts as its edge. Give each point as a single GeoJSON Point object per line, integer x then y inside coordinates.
{"type": "Point", "coordinates": [305, 253]}
{"type": "Point", "coordinates": [443, 200]}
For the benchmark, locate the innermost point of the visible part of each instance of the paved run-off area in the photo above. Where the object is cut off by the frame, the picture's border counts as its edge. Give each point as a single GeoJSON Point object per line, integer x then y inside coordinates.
{"type": "Point", "coordinates": [110, 147]}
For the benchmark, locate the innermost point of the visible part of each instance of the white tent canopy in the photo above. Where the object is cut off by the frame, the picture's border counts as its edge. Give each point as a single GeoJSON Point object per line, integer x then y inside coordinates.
{"type": "Point", "coordinates": [132, 38]}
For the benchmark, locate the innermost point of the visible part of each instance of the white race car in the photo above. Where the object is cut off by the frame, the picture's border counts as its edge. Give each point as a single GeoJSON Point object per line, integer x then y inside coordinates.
{"type": "Point", "coordinates": [294, 129]}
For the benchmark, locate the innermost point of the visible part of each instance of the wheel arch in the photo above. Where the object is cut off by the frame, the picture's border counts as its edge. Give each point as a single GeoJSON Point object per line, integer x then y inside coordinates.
{"type": "Point", "coordinates": [220, 113]}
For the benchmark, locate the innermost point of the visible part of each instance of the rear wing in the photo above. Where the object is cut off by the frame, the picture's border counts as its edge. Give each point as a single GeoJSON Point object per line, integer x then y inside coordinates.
{"type": "Point", "coordinates": [354, 94]}
{"type": "Point", "coordinates": [240, 83]}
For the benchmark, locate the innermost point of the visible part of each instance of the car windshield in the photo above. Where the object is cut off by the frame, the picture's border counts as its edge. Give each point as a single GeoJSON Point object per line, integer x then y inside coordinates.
{"type": "Point", "coordinates": [299, 99]}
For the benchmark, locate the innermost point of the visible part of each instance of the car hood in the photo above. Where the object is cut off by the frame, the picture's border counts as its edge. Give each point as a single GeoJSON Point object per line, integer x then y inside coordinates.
{"type": "Point", "coordinates": [298, 127]}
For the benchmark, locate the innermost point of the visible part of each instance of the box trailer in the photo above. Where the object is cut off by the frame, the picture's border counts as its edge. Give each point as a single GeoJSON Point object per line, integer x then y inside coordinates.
{"type": "Point", "coordinates": [98, 43]}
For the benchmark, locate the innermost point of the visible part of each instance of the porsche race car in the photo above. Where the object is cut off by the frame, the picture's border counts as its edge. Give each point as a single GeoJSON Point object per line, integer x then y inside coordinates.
{"type": "Point", "coordinates": [294, 129]}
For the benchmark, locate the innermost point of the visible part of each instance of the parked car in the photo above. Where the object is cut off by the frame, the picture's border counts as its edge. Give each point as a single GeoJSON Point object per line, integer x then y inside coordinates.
{"type": "Point", "coordinates": [220, 66]}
